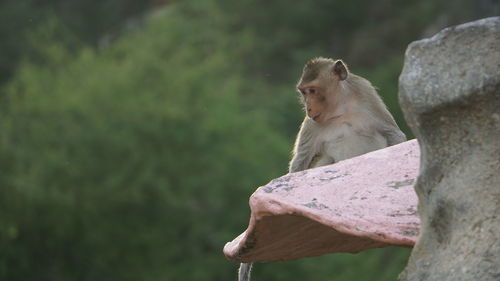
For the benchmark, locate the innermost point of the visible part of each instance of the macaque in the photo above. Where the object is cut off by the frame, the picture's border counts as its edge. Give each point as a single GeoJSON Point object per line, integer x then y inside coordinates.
{"type": "Point", "coordinates": [345, 117]}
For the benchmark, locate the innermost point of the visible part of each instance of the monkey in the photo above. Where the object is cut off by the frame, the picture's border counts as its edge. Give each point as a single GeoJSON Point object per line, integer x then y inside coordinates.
{"type": "Point", "coordinates": [345, 117]}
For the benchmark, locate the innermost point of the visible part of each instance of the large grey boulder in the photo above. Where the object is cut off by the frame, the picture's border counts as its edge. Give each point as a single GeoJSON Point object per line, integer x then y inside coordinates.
{"type": "Point", "coordinates": [450, 94]}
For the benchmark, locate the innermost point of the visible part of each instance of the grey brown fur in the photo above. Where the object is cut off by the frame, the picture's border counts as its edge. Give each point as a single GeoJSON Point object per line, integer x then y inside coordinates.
{"type": "Point", "coordinates": [362, 122]}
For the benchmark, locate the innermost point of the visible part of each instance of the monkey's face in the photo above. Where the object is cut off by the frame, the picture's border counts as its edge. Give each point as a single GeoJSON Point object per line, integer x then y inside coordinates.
{"type": "Point", "coordinates": [315, 103]}
{"type": "Point", "coordinates": [319, 88]}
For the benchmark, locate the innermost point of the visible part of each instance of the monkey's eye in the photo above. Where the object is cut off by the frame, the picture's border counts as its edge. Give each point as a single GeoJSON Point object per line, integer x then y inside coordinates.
{"type": "Point", "coordinates": [311, 91]}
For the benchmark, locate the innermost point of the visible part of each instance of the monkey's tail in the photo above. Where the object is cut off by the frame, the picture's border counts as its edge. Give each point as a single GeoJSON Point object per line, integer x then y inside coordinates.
{"type": "Point", "coordinates": [244, 272]}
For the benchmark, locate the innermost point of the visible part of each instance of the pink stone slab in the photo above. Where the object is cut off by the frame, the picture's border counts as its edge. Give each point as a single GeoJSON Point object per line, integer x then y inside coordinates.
{"type": "Point", "coordinates": [356, 204]}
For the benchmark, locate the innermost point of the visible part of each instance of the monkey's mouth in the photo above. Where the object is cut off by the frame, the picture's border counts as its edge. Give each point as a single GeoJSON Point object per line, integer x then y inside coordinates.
{"type": "Point", "coordinates": [315, 118]}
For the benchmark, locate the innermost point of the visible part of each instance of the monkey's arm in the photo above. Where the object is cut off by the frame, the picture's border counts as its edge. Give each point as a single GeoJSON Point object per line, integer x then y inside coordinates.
{"type": "Point", "coordinates": [321, 160]}
{"type": "Point", "coordinates": [388, 127]}
{"type": "Point", "coordinates": [303, 151]}
{"type": "Point", "coordinates": [393, 135]}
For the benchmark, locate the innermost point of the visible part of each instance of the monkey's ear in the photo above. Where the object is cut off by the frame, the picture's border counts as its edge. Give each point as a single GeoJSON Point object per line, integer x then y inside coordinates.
{"type": "Point", "coordinates": [340, 69]}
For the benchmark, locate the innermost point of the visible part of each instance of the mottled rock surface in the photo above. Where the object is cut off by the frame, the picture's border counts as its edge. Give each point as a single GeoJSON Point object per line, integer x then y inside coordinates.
{"type": "Point", "coordinates": [360, 203]}
{"type": "Point", "coordinates": [450, 94]}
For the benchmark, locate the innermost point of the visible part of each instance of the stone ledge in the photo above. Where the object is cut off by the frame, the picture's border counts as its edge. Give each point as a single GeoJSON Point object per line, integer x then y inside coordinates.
{"type": "Point", "coordinates": [357, 204]}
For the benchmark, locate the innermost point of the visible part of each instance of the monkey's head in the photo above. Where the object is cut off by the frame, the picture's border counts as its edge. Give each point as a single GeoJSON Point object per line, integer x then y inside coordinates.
{"type": "Point", "coordinates": [319, 86]}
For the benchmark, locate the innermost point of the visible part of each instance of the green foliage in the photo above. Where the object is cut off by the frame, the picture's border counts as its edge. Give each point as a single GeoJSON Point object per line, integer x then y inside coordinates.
{"type": "Point", "coordinates": [89, 21]}
{"type": "Point", "coordinates": [119, 164]}
{"type": "Point", "coordinates": [135, 160]}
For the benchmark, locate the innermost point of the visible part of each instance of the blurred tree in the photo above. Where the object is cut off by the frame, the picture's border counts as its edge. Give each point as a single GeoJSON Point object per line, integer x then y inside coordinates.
{"type": "Point", "coordinates": [118, 162]}
{"type": "Point", "coordinates": [92, 22]}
